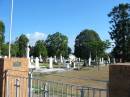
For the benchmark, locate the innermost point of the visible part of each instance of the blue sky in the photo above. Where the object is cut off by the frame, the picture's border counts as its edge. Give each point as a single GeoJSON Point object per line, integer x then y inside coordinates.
{"type": "Point", "coordinates": [38, 18]}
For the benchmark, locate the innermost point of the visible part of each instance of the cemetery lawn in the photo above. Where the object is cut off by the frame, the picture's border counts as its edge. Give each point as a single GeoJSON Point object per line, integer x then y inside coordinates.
{"type": "Point", "coordinates": [86, 76]}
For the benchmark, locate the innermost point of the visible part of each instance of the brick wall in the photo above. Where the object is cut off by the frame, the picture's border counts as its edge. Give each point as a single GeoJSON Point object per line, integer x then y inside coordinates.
{"type": "Point", "coordinates": [119, 76]}
{"type": "Point", "coordinates": [17, 68]}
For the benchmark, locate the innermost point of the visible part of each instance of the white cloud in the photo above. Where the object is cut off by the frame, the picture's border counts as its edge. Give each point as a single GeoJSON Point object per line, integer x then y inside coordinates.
{"type": "Point", "coordinates": [33, 37]}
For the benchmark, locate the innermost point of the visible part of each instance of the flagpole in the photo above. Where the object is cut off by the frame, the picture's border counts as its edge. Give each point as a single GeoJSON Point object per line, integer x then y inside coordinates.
{"type": "Point", "coordinates": [11, 18]}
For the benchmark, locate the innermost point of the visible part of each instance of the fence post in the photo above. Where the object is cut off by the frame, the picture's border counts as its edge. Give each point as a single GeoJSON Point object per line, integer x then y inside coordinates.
{"type": "Point", "coordinates": [82, 92]}
{"type": "Point", "coordinates": [30, 85]}
{"type": "Point", "coordinates": [45, 90]}
{"type": "Point", "coordinates": [107, 94]}
{"type": "Point", "coordinates": [17, 85]}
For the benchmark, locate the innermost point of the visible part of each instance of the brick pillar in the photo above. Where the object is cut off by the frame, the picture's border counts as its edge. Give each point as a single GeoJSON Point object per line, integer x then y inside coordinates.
{"type": "Point", "coordinates": [11, 70]}
{"type": "Point", "coordinates": [119, 80]}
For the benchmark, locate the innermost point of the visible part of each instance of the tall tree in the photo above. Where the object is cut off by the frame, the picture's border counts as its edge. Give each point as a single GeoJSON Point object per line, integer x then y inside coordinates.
{"type": "Point", "coordinates": [22, 45]}
{"type": "Point", "coordinates": [120, 17]}
{"type": "Point", "coordinates": [40, 49]}
{"type": "Point", "coordinates": [88, 42]}
{"type": "Point", "coordinates": [57, 44]}
{"type": "Point", "coordinates": [2, 30]}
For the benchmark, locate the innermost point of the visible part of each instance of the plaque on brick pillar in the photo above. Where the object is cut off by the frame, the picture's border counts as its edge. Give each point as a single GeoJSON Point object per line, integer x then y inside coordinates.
{"type": "Point", "coordinates": [119, 80]}
{"type": "Point", "coordinates": [14, 74]}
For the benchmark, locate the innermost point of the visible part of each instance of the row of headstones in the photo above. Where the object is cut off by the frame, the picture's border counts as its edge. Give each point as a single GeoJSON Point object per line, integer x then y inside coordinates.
{"type": "Point", "coordinates": [51, 60]}
{"type": "Point", "coordinates": [37, 65]}
{"type": "Point", "coordinates": [102, 61]}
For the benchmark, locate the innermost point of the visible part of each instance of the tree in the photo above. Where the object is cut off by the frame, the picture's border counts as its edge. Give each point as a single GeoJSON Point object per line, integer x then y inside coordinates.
{"type": "Point", "coordinates": [69, 50]}
{"type": "Point", "coordinates": [22, 45]}
{"type": "Point", "coordinates": [57, 44]}
{"type": "Point", "coordinates": [40, 49]}
{"type": "Point", "coordinates": [120, 19]}
{"type": "Point", "coordinates": [88, 42]}
{"type": "Point", "coordinates": [5, 48]}
{"type": "Point", "coordinates": [2, 30]}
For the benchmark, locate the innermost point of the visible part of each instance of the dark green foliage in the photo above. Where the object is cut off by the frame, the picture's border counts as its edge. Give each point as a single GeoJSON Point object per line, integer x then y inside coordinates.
{"type": "Point", "coordinates": [120, 20]}
{"type": "Point", "coordinates": [22, 45]}
{"type": "Point", "coordinates": [5, 49]}
{"type": "Point", "coordinates": [40, 49]}
{"type": "Point", "coordinates": [69, 50]}
{"type": "Point", "coordinates": [57, 44]}
{"type": "Point", "coordinates": [2, 30]}
{"type": "Point", "coordinates": [88, 41]}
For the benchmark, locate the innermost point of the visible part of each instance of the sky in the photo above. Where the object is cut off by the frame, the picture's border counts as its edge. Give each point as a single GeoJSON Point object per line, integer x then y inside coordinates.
{"type": "Point", "coordinates": [39, 18]}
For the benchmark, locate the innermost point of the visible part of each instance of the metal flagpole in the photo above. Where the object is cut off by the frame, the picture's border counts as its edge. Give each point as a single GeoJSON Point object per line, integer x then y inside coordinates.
{"type": "Point", "coordinates": [11, 18]}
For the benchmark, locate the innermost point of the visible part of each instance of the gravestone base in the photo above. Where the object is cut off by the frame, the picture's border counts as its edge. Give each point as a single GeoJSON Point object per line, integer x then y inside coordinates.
{"type": "Point", "coordinates": [12, 69]}
{"type": "Point", "coordinates": [119, 80]}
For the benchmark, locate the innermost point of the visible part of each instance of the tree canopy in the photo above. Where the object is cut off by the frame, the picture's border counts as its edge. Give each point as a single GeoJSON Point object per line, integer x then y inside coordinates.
{"type": "Point", "coordinates": [88, 42]}
{"type": "Point", "coordinates": [2, 30]}
{"type": "Point", "coordinates": [22, 45]}
{"type": "Point", "coordinates": [57, 44]}
{"type": "Point", "coordinates": [119, 32]}
{"type": "Point", "coordinates": [40, 49]}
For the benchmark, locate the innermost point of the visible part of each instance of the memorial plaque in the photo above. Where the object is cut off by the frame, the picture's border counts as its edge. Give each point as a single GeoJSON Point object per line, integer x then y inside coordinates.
{"type": "Point", "coordinates": [16, 64]}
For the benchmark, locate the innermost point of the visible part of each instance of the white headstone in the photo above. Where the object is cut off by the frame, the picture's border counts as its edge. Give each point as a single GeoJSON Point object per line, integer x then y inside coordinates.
{"type": "Point", "coordinates": [102, 60]}
{"type": "Point", "coordinates": [79, 60]}
{"type": "Point", "coordinates": [74, 66]}
{"type": "Point", "coordinates": [40, 58]}
{"type": "Point", "coordinates": [89, 60]}
{"type": "Point", "coordinates": [114, 61]}
{"type": "Point", "coordinates": [55, 60]}
{"type": "Point", "coordinates": [37, 63]}
{"type": "Point", "coordinates": [61, 59]}
{"type": "Point", "coordinates": [31, 59]}
{"type": "Point", "coordinates": [5, 57]}
{"type": "Point", "coordinates": [50, 63]}
{"type": "Point", "coordinates": [109, 61]}
{"type": "Point", "coordinates": [68, 66]}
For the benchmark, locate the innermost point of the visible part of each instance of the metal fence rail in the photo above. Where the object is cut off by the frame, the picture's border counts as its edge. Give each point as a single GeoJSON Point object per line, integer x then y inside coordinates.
{"type": "Point", "coordinates": [34, 87]}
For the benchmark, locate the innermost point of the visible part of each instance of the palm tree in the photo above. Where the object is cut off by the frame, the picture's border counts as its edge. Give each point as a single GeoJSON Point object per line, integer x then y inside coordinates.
{"type": "Point", "coordinates": [2, 30]}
